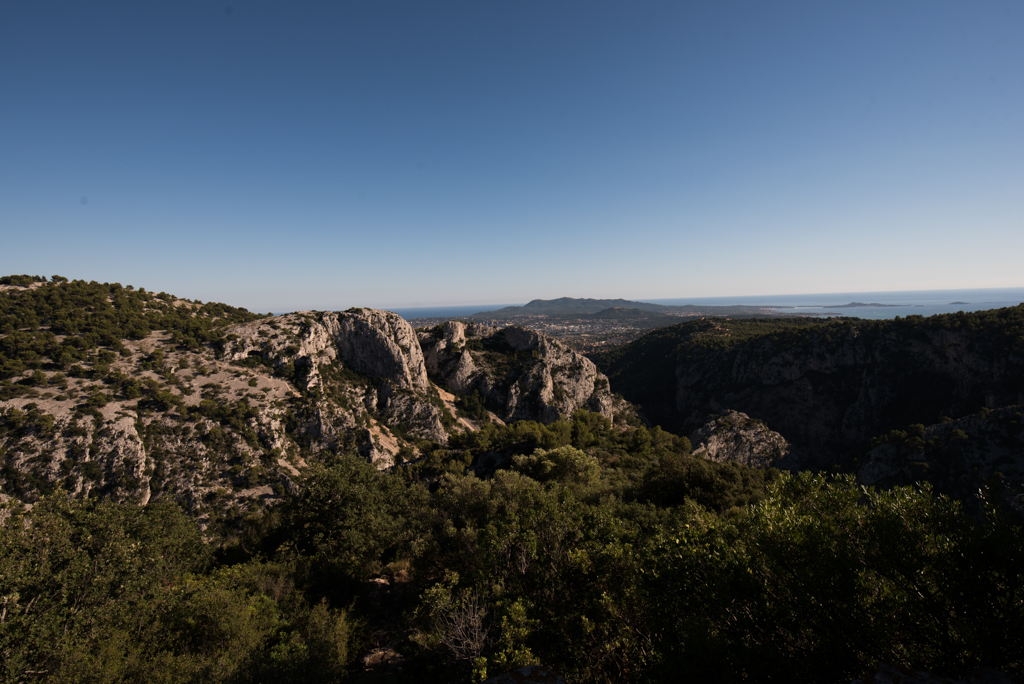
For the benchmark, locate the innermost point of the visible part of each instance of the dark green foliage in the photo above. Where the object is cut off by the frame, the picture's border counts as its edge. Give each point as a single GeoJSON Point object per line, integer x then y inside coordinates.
{"type": "Point", "coordinates": [717, 486]}
{"type": "Point", "coordinates": [101, 592]}
{"type": "Point", "coordinates": [472, 406]}
{"type": "Point", "coordinates": [74, 575]}
{"type": "Point", "coordinates": [349, 519]}
{"type": "Point", "coordinates": [816, 582]}
{"type": "Point", "coordinates": [625, 454]}
{"type": "Point", "coordinates": [22, 280]}
{"type": "Point", "coordinates": [823, 579]}
{"type": "Point", "coordinates": [547, 579]}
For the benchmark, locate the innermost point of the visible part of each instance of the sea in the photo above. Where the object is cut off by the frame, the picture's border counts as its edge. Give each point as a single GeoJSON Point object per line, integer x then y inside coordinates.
{"type": "Point", "coordinates": [875, 305]}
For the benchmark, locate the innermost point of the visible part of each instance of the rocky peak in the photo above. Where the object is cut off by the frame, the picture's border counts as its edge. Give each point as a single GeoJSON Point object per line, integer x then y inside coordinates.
{"type": "Point", "coordinates": [519, 373]}
{"type": "Point", "coordinates": [380, 344]}
{"type": "Point", "coordinates": [377, 344]}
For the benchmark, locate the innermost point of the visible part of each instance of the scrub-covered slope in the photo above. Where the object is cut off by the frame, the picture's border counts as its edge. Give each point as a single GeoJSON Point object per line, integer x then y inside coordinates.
{"type": "Point", "coordinates": [116, 392]}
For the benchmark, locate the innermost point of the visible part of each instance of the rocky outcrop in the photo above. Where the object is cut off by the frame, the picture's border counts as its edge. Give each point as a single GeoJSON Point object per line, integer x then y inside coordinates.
{"type": "Point", "coordinates": [520, 374]}
{"type": "Point", "coordinates": [379, 344]}
{"type": "Point", "coordinates": [221, 428]}
{"type": "Point", "coordinates": [123, 459]}
{"type": "Point", "coordinates": [370, 357]}
{"type": "Point", "coordinates": [376, 344]}
{"type": "Point", "coordinates": [736, 437]}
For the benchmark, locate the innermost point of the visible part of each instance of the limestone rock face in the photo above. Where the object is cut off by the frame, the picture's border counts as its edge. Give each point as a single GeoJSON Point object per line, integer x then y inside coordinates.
{"type": "Point", "coordinates": [377, 344]}
{"type": "Point", "coordinates": [124, 458]}
{"type": "Point", "coordinates": [108, 459]}
{"type": "Point", "coordinates": [218, 426]}
{"type": "Point", "coordinates": [519, 373]}
{"type": "Point", "coordinates": [736, 437]}
{"type": "Point", "coordinates": [325, 347]}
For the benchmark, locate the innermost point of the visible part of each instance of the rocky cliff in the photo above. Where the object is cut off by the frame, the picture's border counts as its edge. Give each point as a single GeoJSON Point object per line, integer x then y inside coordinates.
{"type": "Point", "coordinates": [227, 424]}
{"type": "Point", "coordinates": [223, 409]}
{"type": "Point", "coordinates": [519, 373]}
{"type": "Point", "coordinates": [828, 387]}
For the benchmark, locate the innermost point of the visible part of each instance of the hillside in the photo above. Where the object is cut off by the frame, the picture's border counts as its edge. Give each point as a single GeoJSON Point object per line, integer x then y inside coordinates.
{"type": "Point", "coordinates": [111, 391]}
{"type": "Point", "coordinates": [644, 370]}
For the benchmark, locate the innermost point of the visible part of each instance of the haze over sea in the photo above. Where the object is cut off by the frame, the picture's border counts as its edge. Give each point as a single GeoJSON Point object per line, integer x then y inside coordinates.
{"type": "Point", "coordinates": [897, 303]}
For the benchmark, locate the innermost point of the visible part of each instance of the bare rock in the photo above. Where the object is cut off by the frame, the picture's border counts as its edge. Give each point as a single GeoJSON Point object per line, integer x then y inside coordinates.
{"type": "Point", "coordinates": [519, 373]}
{"type": "Point", "coordinates": [377, 344]}
{"type": "Point", "coordinates": [736, 437]}
{"type": "Point", "coordinates": [320, 349]}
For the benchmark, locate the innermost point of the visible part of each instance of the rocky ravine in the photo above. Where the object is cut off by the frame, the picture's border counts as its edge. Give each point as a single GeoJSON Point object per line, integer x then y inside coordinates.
{"type": "Point", "coordinates": [220, 429]}
{"type": "Point", "coordinates": [830, 389]}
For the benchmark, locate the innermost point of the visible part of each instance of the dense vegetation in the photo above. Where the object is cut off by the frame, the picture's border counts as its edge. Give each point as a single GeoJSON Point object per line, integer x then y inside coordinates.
{"type": "Point", "coordinates": [557, 560]}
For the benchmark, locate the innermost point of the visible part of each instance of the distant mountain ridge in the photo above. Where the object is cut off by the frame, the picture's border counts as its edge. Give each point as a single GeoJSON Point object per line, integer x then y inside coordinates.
{"type": "Point", "coordinates": [570, 306]}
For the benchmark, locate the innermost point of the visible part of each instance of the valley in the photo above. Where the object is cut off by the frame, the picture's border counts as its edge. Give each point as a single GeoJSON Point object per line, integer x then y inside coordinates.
{"type": "Point", "coordinates": [339, 496]}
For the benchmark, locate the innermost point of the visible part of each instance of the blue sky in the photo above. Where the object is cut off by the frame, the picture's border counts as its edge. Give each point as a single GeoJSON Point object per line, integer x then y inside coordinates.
{"type": "Point", "coordinates": [296, 155]}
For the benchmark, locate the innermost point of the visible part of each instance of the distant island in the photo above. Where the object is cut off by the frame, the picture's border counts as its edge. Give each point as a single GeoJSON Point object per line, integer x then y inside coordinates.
{"type": "Point", "coordinates": [851, 305]}
{"type": "Point", "coordinates": [856, 304]}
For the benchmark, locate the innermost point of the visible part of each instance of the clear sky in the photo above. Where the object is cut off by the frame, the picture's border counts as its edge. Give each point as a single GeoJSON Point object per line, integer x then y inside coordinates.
{"type": "Point", "coordinates": [291, 155]}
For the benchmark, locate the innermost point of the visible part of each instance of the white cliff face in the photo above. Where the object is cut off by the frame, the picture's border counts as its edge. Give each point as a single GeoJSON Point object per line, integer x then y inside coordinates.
{"type": "Point", "coordinates": [380, 346]}
{"type": "Point", "coordinates": [377, 344]}
{"type": "Point", "coordinates": [521, 374]}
